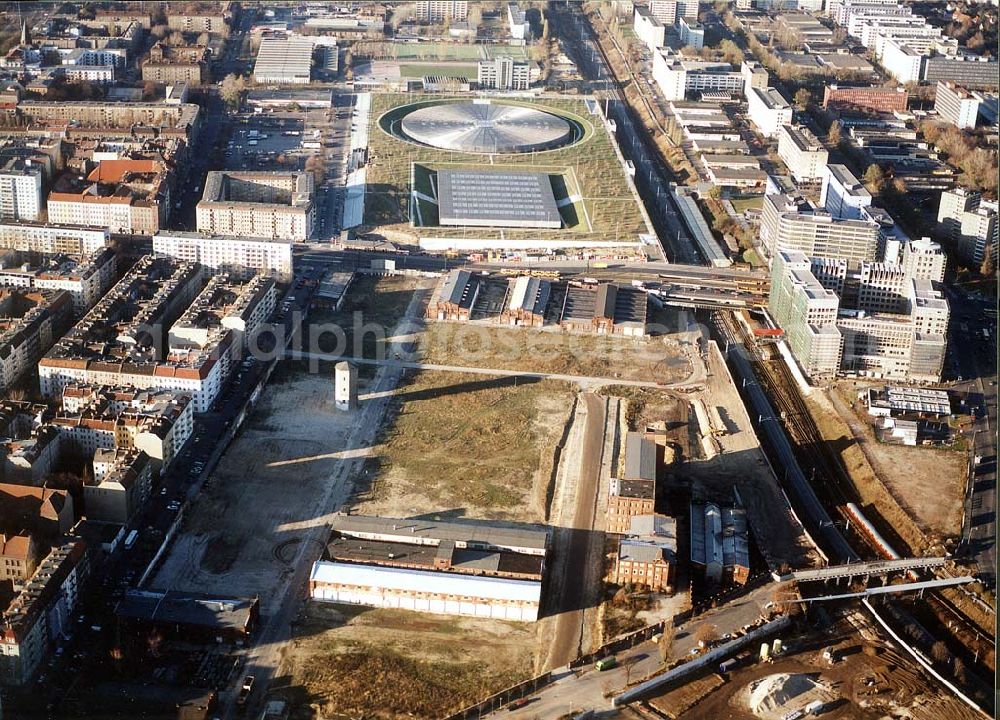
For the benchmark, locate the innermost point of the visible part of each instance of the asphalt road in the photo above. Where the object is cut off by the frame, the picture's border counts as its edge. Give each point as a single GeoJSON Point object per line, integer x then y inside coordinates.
{"type": "Point", "coordinates": [973, 358]}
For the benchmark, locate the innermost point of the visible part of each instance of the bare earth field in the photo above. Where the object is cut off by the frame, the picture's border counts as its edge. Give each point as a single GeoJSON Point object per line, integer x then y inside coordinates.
{"type": "Point", "coordinates": [660, 359]}
{"type": "Point", "coordinates": [243, 532]}
{"type": "Point", "coordinates": [929, 483]}
{"type": "Point", "coordinates": [463, 445]}
{"type": "Point", "coordinates": [372, 663]}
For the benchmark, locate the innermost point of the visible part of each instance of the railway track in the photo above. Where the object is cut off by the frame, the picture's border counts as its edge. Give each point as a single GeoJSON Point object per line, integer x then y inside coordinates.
{"type": "Point", "coordinates": [815, 457]}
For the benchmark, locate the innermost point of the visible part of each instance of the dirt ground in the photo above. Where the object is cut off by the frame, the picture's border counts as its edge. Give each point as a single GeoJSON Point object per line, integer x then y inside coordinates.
{"type": "Point", "coordinates": [898, 687]}
{"type": "Point", "coordinates": [244, 530]}
{"type": "Point", "coordinates": [660, 358]}
{"type": "Point", "coordinates": [468, 446]}
{"type": "Point", "coordinates": [929, 483]}
{"type": "Point", "coordinates": [360, 662]}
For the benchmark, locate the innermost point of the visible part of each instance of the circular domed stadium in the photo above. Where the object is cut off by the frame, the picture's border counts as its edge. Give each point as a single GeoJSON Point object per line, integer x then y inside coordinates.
{"type": "Point", "coordinates": [486, 128]}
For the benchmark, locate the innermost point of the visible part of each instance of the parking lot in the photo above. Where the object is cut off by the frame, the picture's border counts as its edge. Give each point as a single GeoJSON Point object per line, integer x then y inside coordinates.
{"type": "Point", "coordinates": [285, 140]}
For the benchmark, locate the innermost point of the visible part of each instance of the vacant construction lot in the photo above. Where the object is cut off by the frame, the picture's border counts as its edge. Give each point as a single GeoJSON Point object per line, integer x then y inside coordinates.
{"type": "Point", "coordinates": [268, 498]}
{"type": "Point", "coordinates": [268, 491]}
{"type": "Point", "coordinates": [364, 323]}
{"type": "Point", "coordinates": [468, 445]}
{"type": "Point", "coordinates": [659, 359]}
{"type": "Point", "coordinates": [928, 483]}
{"type": "Point", "coordinates": [364, 662]}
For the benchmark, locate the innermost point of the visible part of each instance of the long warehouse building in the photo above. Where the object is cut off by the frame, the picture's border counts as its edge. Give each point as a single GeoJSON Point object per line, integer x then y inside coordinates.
{"type": "Point", "coordinates": [425, 591]}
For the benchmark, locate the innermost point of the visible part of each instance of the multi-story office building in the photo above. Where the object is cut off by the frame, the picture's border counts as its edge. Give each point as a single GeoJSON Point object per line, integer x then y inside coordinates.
{"type": "Point", "coordinates": [786, 225]}
{"type": "Point", "coordinates": [842, 195]}
{"type": "Point", "coordinates": [257, 205]}
{"type": "Point", "coordinates": [754, 75]}
{"type": "Point", "coordinates": [802, 152]}
{"type": "Point", "coordinates": [841, 11]}
{"type": "Point", "coordinates": [504, 73]}
{"type": "Point", "coordinates": [768, 110]}
{"type": "Point", "coordinates": [439, 11]}
{"type": "Point", "coordinates": [839, 98]}
{"type": "Point", "coordinates": [881, 320]}
{"type": "Point", "coordinates": [235, 255]}
{"type": "Point", "coordinates": [970, 71]}
{"type": "Point", "coordinates": [970, 222]}
{"type": "Point", "coordinates": [807, 311]}
{"type": "Point", "coordinates": [956, 105]}
{"type": "Point", "coordinates": [901, 61]}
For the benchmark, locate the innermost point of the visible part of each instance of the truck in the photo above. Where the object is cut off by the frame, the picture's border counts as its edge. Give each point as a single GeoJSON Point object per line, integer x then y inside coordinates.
{"type": "Point", "coordinates": [606, 663]}
{"type": "Point", "coordinates": [245, 689]}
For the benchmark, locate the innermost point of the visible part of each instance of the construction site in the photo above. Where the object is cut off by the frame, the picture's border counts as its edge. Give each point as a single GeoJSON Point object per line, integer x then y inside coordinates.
{"type": "Point", "coordinates": [546, 448]}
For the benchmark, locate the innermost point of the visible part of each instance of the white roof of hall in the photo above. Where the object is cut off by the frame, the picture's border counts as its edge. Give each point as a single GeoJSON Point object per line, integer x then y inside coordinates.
{"type": "Point", "coordinates": [425, 581]}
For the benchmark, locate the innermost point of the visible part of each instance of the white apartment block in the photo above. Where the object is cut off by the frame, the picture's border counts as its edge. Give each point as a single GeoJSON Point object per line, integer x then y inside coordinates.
{"type": "Point", "coordinates": [768, 110]}
{"type": "Point", "coordinates": [651, 31]}
{"type": "Point", "coordinates": [691, 33]}
{"type": "Point", "coordinates": [956, 105]}
{"type": "Point", "coordinates": [802, 152]}
{"type": "Point", "coordinates": [439, 11]}
{"type": "Point", "coordinates": [754, 75]}
{"type": "Point", "coordinates": [665, 11]}
{"type": "Point", "coordinates": [842, 195]}
{"type": "Point", "coordinates": [97, 74]}
{"type": "Point", "coordinates": [21, 191]}
{"type": "Point", "coordinates": [902, 62]}
{"type": "Point", "coordinates": [51, 239]}
{"type": "Point", "coordinates": [257, 205]}
{"type": "Point", "coordinates": [676, 77]}
{"type": "Point", "coordinates": [504, 73]}
{"type": "Point", "coordinates": [229, 254]}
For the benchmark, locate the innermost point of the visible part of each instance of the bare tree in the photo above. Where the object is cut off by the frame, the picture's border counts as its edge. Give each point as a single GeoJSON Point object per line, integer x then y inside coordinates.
{"type": "Point", "coordinates": [706, 634]}
{"type": "Point", "coordinates": [232, 88]}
